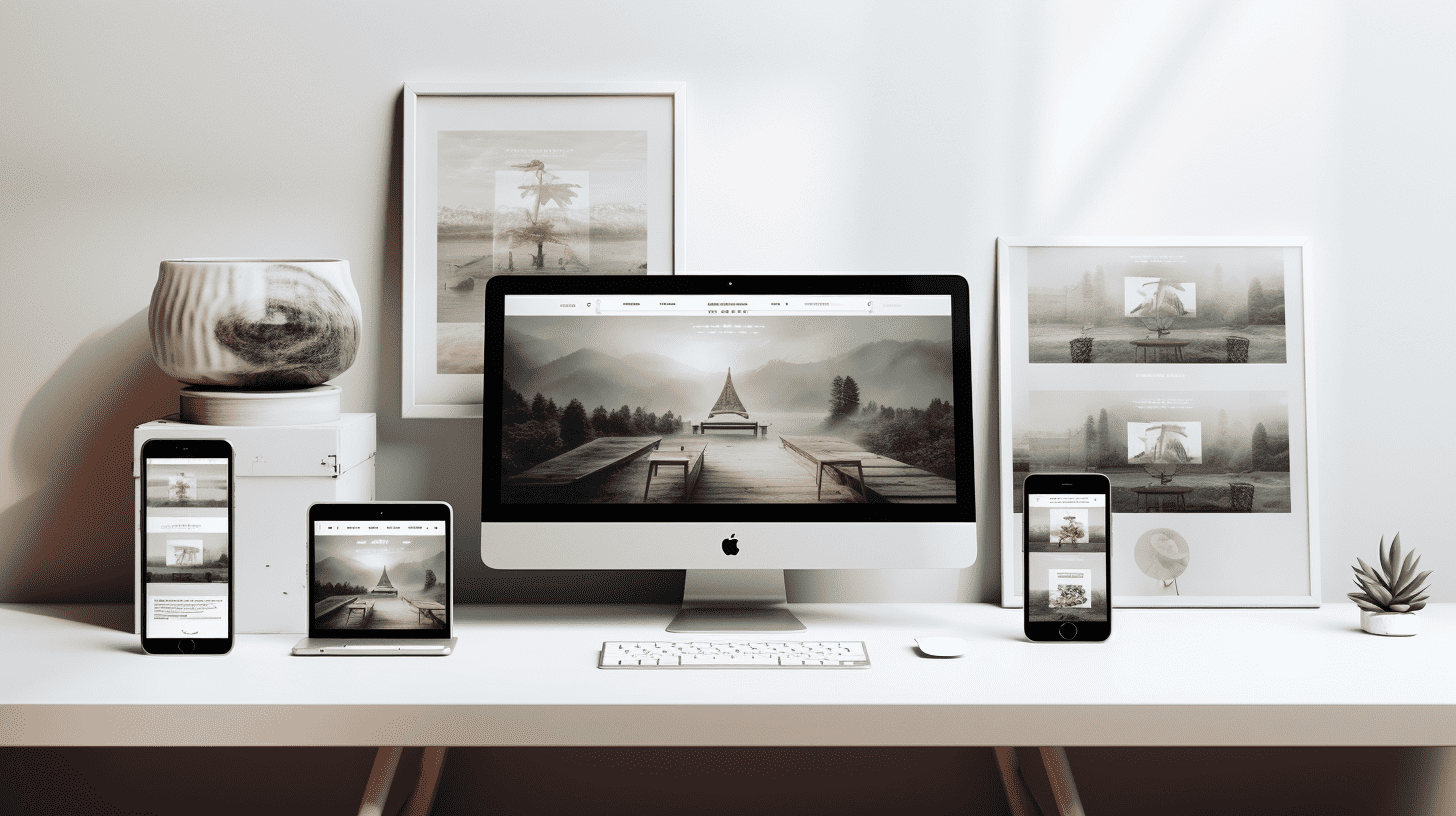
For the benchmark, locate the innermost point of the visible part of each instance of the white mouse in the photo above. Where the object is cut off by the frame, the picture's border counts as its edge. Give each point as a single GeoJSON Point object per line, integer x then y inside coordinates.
{"type": "Point", "coordinates": [941, 646]}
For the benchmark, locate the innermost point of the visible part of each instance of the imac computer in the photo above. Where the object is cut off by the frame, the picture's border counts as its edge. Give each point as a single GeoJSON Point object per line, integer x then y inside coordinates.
{"type": "Point", "coordinates": [731, 426]}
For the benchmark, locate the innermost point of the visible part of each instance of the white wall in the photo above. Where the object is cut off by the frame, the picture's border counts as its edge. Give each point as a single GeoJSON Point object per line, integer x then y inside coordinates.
{"type": "Point", "coordinates": [821, 136]}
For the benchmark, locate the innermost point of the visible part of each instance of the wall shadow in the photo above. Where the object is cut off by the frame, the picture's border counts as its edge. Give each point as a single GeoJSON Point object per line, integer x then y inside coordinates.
{"type": "Point", "coordinates": [119, 617]}
{"type": "Point", "coordinates": [71, 539]}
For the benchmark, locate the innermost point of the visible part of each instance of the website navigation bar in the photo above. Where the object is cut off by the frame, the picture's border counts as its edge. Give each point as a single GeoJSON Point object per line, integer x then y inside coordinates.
{"type": "Point", "coordinates": [727, 305]}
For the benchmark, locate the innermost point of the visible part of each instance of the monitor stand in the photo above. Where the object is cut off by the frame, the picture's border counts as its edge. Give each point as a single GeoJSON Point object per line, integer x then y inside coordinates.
{"type": "Point", "coordinates": [735, 601]}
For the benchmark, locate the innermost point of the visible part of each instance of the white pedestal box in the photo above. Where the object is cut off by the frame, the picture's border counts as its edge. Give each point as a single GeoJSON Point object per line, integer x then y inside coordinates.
{"type": "Point", "coordinates": [277, 473]}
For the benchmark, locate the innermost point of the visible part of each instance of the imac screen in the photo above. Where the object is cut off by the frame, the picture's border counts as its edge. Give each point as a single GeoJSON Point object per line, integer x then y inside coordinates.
{"type": "Point", "coordinates": [842, 401]}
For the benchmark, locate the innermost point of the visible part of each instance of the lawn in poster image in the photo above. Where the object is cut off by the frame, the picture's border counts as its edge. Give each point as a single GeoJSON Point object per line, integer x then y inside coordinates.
{"type": "Point", "coordinates": [1212, 492]}
{"type": "Point", "coordinates": [1051, 343]}
{"type": "Point", "coordinates": [1036, 601]}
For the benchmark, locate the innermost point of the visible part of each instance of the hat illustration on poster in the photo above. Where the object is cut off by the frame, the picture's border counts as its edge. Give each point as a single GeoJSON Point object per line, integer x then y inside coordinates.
{"type": "Point", "coordinates": [1162, 553]}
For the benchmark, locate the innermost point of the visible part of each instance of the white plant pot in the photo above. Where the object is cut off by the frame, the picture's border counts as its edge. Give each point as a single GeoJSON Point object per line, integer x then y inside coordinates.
{"type": "Point", "coordinates": [254, 322]}
{"type": "Point", "coordinates": [1394, 624]}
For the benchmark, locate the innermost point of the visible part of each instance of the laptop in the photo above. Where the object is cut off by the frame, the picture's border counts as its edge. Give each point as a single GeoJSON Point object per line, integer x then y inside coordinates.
{"type": "Point", "coordinates": [379, 579]}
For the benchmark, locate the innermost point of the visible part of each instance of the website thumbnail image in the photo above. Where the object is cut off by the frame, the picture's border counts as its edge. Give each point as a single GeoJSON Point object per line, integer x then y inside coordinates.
{"type": "Point", "coordinates": [373, 579]}
{"type": "Point", "coordinates": [1064, 523]}
{"type": "Point", "coordinates": [654, 408]}
{"type": "Point", "coordinates": [1163, 451]}
{"type": "Point", "coordinates": [187, 549]}
{"type": "Point", "coordinates": [187, 483]}
{"type": "Point", "coordinates": [1117, 305]}
{"type": "Point", "coordinates": [1067, 587]}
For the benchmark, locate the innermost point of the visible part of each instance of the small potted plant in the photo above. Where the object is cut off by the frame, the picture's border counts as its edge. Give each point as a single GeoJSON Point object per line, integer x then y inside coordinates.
{"type": "Point", "coordinates": [1390, 599]}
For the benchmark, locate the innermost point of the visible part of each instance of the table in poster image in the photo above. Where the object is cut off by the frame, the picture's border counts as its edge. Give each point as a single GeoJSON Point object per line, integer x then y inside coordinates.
{"type": "Point", "coordinates": [1142, 347]}
{"type": "Point", "coordinates": [1165, 496]}
{"type": "Point", "coordinates": [1189, 677]}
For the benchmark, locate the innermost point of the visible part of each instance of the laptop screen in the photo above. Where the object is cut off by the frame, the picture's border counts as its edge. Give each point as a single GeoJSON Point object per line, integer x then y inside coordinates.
{"type": "Point", "coordinates": [380, 578]}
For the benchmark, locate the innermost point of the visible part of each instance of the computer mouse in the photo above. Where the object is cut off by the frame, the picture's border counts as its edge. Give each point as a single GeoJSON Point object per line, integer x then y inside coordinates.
{"type": "Point", "coordinates": [941, 646]}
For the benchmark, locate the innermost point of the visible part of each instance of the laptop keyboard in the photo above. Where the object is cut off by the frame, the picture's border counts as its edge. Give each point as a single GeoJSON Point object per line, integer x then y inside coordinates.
{"type": "Point", "coordinates": [734, 654]}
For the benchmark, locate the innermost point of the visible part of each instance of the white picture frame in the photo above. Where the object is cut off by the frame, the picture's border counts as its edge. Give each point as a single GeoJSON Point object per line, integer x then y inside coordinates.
{"type": "Point", "coordinates": [440, 360]}
{"type": "Point", "coordinates": [1265, 557]}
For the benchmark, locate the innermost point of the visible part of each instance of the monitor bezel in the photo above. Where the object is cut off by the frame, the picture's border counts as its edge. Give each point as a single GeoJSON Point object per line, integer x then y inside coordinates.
{"type": "Point", "coordinates": [954, 286]}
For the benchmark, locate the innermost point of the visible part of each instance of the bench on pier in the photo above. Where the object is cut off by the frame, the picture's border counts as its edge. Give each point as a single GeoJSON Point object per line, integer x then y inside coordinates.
{"type": "Point", "coordinates": [563, 477]}
{"type": "Point", "coordinates": [365, 608]}
{"type": "Point", "coordinates": [705, 425]}
{"type": "Point", "coordinates": [875, 478]}
{"type": "Point", "coordinates": [857, 464]}
{"type": "Point", "coordinates": [690, 460]}
{"type": "Point", "coordinates": [428, 609]}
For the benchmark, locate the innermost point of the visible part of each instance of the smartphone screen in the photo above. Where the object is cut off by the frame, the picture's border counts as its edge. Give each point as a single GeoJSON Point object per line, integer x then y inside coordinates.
{"type": "Point", "coordinates": [1067, 535]}
{"type": "Point", "coordinates": [187, 539]}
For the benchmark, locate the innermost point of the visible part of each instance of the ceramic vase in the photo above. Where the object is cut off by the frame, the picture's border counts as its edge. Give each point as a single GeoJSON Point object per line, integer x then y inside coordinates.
{"type": "Point", "coordinates": [1394, 624]}
{"type": "Point", "coordinates": [254, 323]}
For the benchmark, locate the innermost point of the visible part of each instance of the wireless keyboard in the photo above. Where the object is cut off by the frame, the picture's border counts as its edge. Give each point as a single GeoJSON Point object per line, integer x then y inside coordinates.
{"type": "Point", "coordinates": [734, 654]}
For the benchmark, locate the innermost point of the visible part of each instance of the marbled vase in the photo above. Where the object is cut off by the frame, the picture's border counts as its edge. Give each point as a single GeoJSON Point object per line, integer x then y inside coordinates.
{"type": "Point", "coordinates": [254, 323]}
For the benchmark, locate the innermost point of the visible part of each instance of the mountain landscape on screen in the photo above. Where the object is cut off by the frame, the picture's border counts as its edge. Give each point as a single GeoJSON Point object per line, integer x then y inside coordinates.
{"type": "Point", "coordinates": [727, 409]}
{"type": "Point", "coordinates": [890, 372]}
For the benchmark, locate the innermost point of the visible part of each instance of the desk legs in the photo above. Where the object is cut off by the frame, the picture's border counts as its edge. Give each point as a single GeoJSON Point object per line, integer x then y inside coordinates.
{"type": "Point", "coordinates": [1064, 787]}
{"type": "Point", "coordinates": [376, 790]}
{"type": "Point", "coordinates": [1053, 768]}
{"type": "Point", "coordinates": [422, 798]}
{"type": "Point", "coordinates": [381, 779]}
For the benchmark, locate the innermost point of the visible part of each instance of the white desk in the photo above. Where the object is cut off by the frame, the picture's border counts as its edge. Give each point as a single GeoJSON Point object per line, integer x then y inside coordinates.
{"type": "Point", "coordinates": [1168, 677]}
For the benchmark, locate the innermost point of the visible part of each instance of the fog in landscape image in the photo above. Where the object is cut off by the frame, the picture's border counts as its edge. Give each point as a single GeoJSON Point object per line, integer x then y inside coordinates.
{"type": "Point", "coordinates": [189, 485]}
{"type": "Point", "coordinates": [558, 202]}
{"type": "Point", "coordinates": [379, 582]}
{"type": "Point", "coordinates": [1046, 525]}
{"type": "Point", "coordinates": [1194, 299]}
{"type": "Point", "coordinates": [1153, 444]}
{"type": "Point", "coordinates": [850, 383]}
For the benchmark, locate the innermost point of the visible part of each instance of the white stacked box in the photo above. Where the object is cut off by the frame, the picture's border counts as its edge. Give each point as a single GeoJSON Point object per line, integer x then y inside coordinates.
{"type": "Point", "coordinates": [278, 471]}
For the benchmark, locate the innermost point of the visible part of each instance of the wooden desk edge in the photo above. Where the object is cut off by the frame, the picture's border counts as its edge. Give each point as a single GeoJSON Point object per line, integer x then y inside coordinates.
{"type": "Point", "coordinates": [725, 725]}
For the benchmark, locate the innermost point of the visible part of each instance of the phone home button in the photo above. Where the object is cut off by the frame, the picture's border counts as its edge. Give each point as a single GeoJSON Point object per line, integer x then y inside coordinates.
{"type": "Point", "coordinates": [1068, 631]}
{"type": "Point", "coordinates": [186, 646]}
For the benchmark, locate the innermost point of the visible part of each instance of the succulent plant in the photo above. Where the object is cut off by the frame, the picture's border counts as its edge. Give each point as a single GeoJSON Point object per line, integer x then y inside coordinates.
{"type": "Point", "coordinates": [1398, 589]}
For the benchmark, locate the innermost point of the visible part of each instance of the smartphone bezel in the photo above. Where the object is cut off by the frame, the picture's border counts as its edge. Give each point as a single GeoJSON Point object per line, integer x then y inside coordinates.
{"type": "Point", "coordinates": [187, 449]}
{"type": "Point", "coordinates": [1051, 484]}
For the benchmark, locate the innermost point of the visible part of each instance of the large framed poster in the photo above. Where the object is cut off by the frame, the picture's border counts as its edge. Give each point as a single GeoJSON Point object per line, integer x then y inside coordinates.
{"type": "Point", "coordinates": [1179, 368]}
{"type": "Point", "coordinates": [524, 179]}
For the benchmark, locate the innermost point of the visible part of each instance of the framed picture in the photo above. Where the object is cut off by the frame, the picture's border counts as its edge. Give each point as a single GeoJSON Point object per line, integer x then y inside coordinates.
{"type": "Point", "coordinates": [1179, 368]}
{"type": "Point", "coordinates": [524, 179]}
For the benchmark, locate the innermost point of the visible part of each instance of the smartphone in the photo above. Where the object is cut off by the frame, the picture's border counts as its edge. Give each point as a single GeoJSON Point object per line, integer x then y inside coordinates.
{"type": "Point", "coordinates": [187, 546]}
{"type": "Point", "coordinates": [1066, 535]}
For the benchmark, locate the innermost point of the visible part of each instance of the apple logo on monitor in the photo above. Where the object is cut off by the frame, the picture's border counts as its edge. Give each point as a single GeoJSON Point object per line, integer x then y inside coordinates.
{"type": "Point", "coordinates": [730, 545]}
